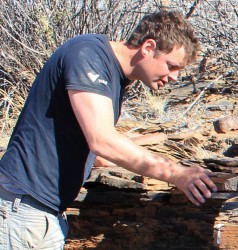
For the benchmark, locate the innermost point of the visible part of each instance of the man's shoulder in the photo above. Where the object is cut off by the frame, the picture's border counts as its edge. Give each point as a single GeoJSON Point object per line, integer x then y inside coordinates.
{"type": "Point", "coordinates": [89, 39]}
{"type": "Point", "coordinates": [85, 46]}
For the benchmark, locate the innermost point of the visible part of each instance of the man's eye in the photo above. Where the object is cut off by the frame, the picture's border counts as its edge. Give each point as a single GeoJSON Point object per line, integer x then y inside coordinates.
{"type": "Point", "coordinates": [172, 67]}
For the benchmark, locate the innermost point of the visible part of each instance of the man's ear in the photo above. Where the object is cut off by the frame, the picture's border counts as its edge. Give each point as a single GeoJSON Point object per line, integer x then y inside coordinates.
{"type": "Point", "coordinates": [148, 47]}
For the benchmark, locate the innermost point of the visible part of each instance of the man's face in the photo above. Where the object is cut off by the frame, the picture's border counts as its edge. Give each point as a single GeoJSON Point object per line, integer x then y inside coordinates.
{"type": "Point", "coordinates": [157, 68]}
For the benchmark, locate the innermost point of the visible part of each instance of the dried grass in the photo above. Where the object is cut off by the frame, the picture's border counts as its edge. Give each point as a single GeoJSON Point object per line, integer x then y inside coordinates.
{"type": "Point", "coordinates": [11, 105]}
{"type": "Point", "coordinates": [156, 104]}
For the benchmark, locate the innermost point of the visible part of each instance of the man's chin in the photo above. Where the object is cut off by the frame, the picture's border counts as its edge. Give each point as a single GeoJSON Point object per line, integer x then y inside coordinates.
{"type": "Point", "coordinates": [154, 85]}
{"type": "Point", "coordinates": [160, 84]}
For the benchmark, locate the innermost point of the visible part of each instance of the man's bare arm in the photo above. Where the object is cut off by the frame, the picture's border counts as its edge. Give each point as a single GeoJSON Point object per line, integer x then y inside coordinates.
{"type": "Point", "coordinates": [95, 115]}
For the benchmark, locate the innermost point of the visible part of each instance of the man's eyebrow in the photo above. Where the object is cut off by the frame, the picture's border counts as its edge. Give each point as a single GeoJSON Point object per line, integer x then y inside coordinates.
{"type": "Point", "coordinates": [176, 65]}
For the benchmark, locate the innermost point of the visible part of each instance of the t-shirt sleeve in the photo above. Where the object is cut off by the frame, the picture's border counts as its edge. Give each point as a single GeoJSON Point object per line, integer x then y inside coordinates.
{"type": "Point", "coordinates": [86, 67]}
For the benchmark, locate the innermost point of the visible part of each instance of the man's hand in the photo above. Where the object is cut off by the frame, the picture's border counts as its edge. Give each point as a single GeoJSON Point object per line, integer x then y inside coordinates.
{"type": "Point", "coordinates": [195, 182]}
{"type": "Point", "coordinates": [95, 116]}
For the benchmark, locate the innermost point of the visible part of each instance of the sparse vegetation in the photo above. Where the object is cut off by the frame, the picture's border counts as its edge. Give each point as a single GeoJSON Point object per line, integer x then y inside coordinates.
{"type": "Point", "coordinates": [31, 30]}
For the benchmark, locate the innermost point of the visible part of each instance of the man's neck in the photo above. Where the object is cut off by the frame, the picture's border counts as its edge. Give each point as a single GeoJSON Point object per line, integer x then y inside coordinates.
{"type": "Point", "coordinates": [124, 55]}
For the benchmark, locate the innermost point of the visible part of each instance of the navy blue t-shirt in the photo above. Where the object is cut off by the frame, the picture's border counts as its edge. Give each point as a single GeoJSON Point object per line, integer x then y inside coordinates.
{"type": "Point", "coordinates": [48, 156]}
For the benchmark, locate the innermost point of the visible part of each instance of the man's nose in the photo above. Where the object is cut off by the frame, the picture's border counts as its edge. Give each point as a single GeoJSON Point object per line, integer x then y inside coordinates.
{"type": "Point", "coordinates": [173, 76]}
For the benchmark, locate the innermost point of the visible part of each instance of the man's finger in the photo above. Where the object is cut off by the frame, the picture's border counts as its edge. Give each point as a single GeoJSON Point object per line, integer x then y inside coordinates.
{"type": "Point", "coordinates": [202, 189]}
{"type": "Point", "coordinates": [209, 183]}
{"type": "Point", "coordinates": [192, 198]}
{"type": "Point", "coordinates": [196, 193]}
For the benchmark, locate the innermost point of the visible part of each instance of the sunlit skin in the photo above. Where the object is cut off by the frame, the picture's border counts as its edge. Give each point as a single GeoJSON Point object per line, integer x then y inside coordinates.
{"type": "Point", "coordinates": [157, 68]}
{"type": "Point", "coordinates": [167, 66]}
{"type": "Point", "coordinates": [153, 67]}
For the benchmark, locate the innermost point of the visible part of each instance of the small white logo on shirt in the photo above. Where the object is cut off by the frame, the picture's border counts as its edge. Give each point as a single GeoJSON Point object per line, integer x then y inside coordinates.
{"type": "Point", "coordinates": [93, 77]}
{"type": "Point", "coordinates": [103, 81]}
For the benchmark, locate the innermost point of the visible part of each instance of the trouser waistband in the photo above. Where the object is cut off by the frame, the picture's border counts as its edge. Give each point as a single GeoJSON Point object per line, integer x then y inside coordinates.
{"type": "Point", "coordinates": [16, 199]}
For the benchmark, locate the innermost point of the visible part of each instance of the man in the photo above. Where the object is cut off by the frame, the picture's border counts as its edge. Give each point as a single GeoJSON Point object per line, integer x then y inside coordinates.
{"type": "Point", "coordinates": [69, 118]}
